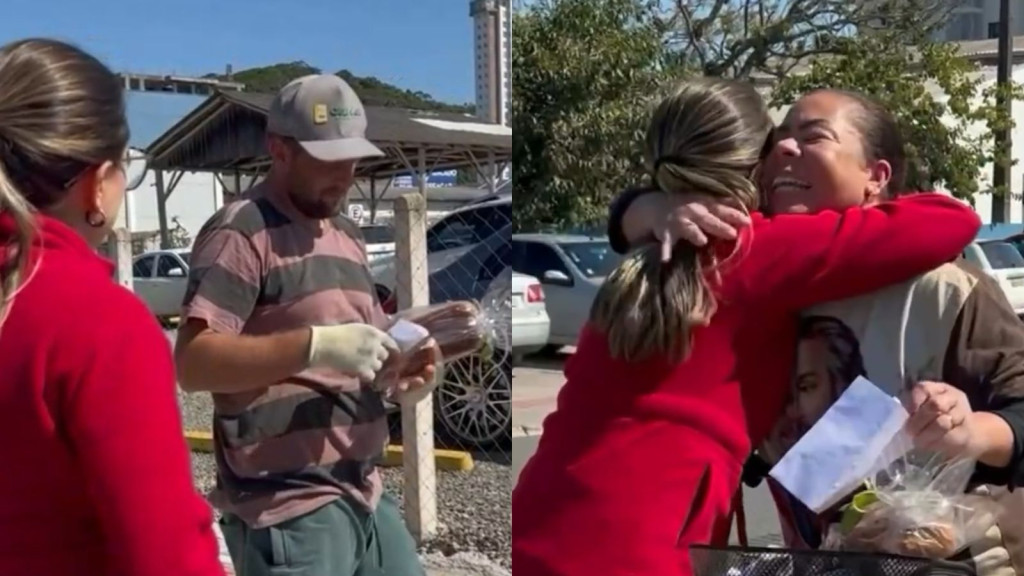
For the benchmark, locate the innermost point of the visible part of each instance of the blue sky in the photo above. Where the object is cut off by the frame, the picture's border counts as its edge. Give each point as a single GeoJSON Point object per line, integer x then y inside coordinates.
{"type": "Point", "coordinates": [416, 44]}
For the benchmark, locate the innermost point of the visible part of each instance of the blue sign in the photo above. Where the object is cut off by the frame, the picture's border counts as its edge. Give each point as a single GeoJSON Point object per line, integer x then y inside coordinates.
{"type": "Point", "coordinates": [444, 179]}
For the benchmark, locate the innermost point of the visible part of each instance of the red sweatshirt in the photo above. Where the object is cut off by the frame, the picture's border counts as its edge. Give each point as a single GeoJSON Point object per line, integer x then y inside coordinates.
{"type": "Point", "coordinates": [640, 460]}
{"type": "Point", "coordinates": [95, 478]}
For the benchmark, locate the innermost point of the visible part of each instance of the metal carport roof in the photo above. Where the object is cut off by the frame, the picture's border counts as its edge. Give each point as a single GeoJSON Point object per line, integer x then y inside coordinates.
{"type": "Point", "coordinates": [226, 133]}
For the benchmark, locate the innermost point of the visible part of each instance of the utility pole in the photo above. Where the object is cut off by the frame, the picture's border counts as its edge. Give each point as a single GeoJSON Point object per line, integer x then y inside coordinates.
{"type": "Point", "coordinates": [1003, 137]}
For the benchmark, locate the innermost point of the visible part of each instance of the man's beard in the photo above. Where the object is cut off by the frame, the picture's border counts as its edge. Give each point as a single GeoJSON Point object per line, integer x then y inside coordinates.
{"type": "Point", "coordinates": [321, 207]}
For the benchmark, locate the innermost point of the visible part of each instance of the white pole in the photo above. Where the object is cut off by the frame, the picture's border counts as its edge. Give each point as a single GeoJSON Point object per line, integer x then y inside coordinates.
{"type": "Point", "coordinates": [218, 194]}
{"type": "Point", "coordinates": [129, 211]}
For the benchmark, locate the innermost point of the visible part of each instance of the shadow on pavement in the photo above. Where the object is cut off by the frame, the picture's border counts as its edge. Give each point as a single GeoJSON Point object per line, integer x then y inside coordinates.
{"type": "Point", "coordinates": [544, 360]}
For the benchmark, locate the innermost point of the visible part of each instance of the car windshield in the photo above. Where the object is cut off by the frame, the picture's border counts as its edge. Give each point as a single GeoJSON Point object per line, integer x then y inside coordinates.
{"type": "Point", "coordinates": [1002, 255]}
{"type": "Point", "coordinates": [378, 234]}
{"type": "Point", "coordinates": [185, 257]}
{"type": "Point", "coordinates": [594, 259]}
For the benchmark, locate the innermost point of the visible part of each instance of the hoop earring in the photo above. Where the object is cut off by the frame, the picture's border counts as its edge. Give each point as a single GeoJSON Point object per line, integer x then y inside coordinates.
{"type": "Point", "coordinates": [96, 218]}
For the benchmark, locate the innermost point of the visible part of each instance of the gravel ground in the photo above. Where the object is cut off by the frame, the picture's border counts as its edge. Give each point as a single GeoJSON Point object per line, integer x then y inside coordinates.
{"type": "Point", "coordinates": [474, 507]}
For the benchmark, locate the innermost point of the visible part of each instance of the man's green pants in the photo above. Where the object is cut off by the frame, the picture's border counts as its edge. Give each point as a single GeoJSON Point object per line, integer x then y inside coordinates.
{"type": "Point", "coordinates": [337, 540]}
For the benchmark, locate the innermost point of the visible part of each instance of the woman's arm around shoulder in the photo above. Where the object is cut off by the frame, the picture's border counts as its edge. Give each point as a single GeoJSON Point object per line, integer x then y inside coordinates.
{"type": "Point", "coordinates": [123, 422]}
{"type": "Point", "coordinates": [794, 261]}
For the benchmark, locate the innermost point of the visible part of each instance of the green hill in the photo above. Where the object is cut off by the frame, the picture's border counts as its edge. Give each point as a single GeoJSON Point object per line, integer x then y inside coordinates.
{"type": "Point", "coordinates": [373, 91]}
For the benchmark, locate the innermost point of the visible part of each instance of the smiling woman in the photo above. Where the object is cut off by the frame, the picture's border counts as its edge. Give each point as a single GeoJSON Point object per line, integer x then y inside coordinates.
{"type": "Point", "coordinates": [833, 149]}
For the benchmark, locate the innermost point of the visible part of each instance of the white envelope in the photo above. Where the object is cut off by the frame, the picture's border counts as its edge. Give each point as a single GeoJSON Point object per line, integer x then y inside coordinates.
{"type": "Point", "coordinates": [407, 334]}
{"type": "Point", "coordinates": [853, 441]}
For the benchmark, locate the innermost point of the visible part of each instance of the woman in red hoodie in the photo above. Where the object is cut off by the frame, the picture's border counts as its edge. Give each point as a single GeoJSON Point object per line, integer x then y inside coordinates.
{"type": "Point", "coordinates": [644, 452]}
{"type": "Point", "coordinates": [96, 478]}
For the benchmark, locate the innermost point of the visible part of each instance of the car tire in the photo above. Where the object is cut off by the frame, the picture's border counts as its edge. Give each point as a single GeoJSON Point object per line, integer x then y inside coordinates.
{"type": "Point", "coordinates": [473, 403]}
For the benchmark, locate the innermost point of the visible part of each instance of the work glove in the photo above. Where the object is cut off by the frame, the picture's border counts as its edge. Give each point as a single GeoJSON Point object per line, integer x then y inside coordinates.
{"type": "Point", "coordinates": [355, 349]}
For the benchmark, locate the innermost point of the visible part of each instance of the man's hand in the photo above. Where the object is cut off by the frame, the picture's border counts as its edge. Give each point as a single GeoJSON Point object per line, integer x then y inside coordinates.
{"type": "Point", "coordinates": [941, 420]}
{"type": "Point", "coordinates": [417, 379]}
{"type": "Point", "coordinates": [356, 349]}
{"type": "Point", "coordinates": [670, 218]}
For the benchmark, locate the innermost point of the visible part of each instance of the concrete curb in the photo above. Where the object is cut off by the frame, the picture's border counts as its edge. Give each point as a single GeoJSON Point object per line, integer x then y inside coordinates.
{"type": "Point", "coordinates": [450, 460]}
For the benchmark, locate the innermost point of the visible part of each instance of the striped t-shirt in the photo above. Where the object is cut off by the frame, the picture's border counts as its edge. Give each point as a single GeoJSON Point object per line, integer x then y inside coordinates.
{"type": "Point", "coordinates": [260, 267]}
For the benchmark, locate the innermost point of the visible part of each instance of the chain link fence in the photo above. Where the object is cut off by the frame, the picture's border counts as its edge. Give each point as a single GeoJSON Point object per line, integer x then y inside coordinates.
{"type": "Point", "coordinates": [466, 255]}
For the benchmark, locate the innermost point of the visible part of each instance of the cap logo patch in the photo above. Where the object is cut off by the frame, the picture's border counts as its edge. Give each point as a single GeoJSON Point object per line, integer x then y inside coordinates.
{"type": "Point", "coordinates": [342, 112]}
{"type": "Point", "coordinates": [320, 114]}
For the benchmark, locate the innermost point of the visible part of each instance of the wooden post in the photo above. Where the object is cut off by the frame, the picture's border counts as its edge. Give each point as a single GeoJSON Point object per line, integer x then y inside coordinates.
{"type": "Point", "coordinates": [121, 254]}
{"type": "Point", "coordinates": [412, 289]}
{"type": "Point", "coordinates": [161, 210]}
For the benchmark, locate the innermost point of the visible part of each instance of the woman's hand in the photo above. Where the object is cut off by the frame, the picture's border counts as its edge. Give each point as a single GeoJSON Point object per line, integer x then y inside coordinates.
{"type": "Point", "coordinates": [941, 420]}
{"type": "Point", "coordinates": [670, 218]}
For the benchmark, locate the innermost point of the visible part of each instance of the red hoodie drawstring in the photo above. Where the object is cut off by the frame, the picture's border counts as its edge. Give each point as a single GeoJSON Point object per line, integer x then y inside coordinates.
{"type": "Point", "coordinates": [741, 518]}
{"type": "Point", "coordinates": [723, 528]}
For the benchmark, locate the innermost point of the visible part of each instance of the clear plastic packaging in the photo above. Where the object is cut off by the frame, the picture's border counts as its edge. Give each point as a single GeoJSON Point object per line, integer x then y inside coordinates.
{"type": "Point", "coordinates": [446, 332]}
{"type": "Point", "coordinates": [917, 506]}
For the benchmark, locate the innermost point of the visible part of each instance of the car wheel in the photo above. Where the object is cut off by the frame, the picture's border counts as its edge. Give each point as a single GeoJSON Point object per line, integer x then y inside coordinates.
{"type": "Point", "coordinates": [473, 403]}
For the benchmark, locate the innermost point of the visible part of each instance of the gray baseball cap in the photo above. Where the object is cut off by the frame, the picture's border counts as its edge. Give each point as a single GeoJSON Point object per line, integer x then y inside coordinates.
{"type": "Point", "coordinates": [323, 114]}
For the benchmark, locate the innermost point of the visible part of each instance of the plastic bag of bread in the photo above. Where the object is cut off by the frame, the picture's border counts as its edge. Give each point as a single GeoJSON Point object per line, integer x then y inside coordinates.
{"type": "Point", "coordinates": [445, 332]}
{"type": "Point", "coordinates": [917, 507]}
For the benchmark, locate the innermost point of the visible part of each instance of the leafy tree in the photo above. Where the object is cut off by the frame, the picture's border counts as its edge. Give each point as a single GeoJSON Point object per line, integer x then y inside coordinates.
{"type": "Point", "coordinates": [935, 94]}
{"type": "Point", "coordinates": [373, 91]}
{"type": "Point", "coordinates": [742, 37]}
{"type": "Point", "coordinates": [582, 74]}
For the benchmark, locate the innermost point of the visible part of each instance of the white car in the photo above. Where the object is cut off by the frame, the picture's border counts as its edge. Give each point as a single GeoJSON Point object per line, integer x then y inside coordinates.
{"type": "Point", "coordinates": [160, 279]}
{"type": "Point", "coordinates": [1002, 261]}
{"type": "Point", "coordinates": [380, 241]}
{"type": "Point", "coordinates": [450, 238]}
{"type": "Point", "coordinates": [530, 323]}
{"type": "Point", "coordinates": [571, 268]}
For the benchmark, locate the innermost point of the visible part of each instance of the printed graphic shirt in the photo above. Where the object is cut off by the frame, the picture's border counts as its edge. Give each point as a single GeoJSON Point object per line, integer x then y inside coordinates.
{"type": "Point", "coordinates": [953, 325]}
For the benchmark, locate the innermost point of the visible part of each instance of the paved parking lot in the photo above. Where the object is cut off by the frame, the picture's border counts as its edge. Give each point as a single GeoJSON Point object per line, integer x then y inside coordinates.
{"type": "Point", "coordinates": [535, 385]}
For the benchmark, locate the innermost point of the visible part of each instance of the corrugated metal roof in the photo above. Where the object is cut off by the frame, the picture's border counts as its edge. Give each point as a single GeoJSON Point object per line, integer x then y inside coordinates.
{"type": "Point", "coordinates": [150, 114]}
{"type": "Point", "coordinates": [227, 132]}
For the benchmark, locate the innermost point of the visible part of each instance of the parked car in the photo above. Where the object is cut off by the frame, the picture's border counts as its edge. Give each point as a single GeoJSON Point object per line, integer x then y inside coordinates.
{"type": "Point", "coordinates": [160, 279]}
{"type": "Point", "coordinates": [571, 269]}
{"type": "Point", "coordinates": [1004, 262]}
{"type": "Point", "coordinates": [447, 240]}
{"type": "Point", "coordinates": [473, 404]}
{"type": "Point", "coordinates": [531, 324]}
{"type": "Point", "coordinates": [380, 241]}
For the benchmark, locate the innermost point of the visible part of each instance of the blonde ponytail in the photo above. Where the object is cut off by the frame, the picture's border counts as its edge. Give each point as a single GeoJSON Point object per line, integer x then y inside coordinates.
{"type": "Point", "coordinates": [15, 263]}
{"type": "Point", "coordinates": [706, 137]}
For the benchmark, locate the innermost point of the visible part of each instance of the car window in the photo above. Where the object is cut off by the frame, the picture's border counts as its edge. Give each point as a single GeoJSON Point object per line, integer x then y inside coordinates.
{"type": "Point", "coordinates": [1002, 255]}
{"type": "Point", "coordinates": [468, 228]}
{"type": "Point", "coordinates": [165, 264]}
{"type": "Point", "coordinates": [143, 267]}
{"type": "Point", "coordinates": [593, 259]}
{"type": "Point", "coordinates": [378, 234]}
{"type": "Point", "coordinates": [186, 257]}
{"type": "Point", "coordinates": [496, 263]}
{"type": "Point", "coordinates": [537, 258]}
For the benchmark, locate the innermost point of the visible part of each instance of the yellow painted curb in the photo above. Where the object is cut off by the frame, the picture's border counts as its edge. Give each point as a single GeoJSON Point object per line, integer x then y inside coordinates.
{"type": "Point", "coordinates": [451, 460]}
{"type": "Point", "coordinates": [199, 441]}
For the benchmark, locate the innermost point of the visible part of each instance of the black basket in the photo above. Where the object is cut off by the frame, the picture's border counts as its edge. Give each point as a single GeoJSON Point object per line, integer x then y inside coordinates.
{"type": "Point", "coordinates": [735, 561]}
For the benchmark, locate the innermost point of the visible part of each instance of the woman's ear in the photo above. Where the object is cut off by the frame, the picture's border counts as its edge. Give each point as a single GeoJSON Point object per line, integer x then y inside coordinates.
{"type": "Point", "coordinates": [104, 183]}
{"type": "Point", "coordinates": [880, 173]}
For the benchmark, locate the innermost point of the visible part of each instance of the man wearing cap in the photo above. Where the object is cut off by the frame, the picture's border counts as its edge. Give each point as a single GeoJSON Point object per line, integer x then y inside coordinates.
{"type": "Point", "coordinates": [282, 325]}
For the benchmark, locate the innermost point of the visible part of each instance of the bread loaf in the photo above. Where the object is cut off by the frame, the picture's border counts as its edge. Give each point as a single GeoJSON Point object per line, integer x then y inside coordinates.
{"type": "Point", "coordinates": [937, 541]}
{"type": "Point", "coordinates": [458, 327]}
{"type": "Point", "coordinates": [876, 532]}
